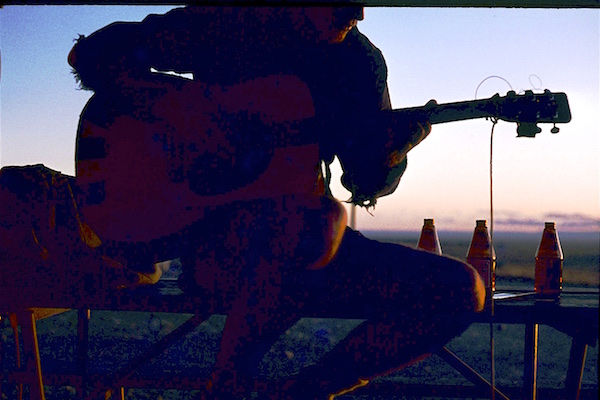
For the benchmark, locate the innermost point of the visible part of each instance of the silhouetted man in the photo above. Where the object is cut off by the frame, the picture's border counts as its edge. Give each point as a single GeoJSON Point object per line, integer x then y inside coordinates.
{"type": "Point", "coordinates": [224, 170]}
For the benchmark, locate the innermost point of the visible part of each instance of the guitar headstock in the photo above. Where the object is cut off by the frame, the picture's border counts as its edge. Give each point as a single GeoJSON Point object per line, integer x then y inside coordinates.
{"type": "Point", "coordinates": [529, 109]}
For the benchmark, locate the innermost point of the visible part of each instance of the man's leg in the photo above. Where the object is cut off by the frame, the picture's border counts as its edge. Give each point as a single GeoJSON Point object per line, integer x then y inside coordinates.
{"type": "Point", "coordinates": [229, 258]}
{"type": "Point", "coordinates": [413, 301]}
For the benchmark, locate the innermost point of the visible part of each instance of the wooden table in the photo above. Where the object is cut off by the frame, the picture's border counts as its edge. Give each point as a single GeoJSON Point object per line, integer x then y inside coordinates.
{"type": "Point", "coordinates": [575, 314]}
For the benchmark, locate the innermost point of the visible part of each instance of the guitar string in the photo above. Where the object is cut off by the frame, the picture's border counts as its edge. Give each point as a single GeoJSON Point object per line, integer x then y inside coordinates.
{"type": "Point", "coordinates": [492, 352]}
{"type": "Point", "coordinates": [494, 122]}
{"type": "Point", "coordinates": [531, 77]}
{"type": "Point", "coordinates": [490, 77]}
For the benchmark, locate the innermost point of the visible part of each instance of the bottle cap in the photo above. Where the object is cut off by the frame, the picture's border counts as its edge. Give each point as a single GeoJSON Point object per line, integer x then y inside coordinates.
{"type": "Point", "coordinates": [551, 225]}
{"type": "Point", "coordinates": [428, 221]}
{"type": "Point", "coordinates": [481, 223]}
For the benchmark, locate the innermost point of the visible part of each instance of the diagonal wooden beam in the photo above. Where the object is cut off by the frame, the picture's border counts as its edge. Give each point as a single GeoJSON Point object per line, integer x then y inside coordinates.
{"type": "Point", "coordinates": [116, 381]}
{"type": "Point", "coordinates": [33, 366]}
{"type": "Point", "coordinates": [465, 369]}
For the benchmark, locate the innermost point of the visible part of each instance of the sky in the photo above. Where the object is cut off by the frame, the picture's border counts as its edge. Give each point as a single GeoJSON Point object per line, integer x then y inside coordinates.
{"type": "Point", "coordinates": [446, 54]}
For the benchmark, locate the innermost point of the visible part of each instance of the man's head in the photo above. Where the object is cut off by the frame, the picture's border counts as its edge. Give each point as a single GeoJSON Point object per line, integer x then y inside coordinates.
{"type": "Point", "coordinates": [325, 24]}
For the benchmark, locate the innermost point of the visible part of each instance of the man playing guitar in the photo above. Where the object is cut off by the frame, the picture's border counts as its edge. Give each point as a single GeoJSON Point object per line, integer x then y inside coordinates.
{"type": "Point", "coordinates": [224, 171]}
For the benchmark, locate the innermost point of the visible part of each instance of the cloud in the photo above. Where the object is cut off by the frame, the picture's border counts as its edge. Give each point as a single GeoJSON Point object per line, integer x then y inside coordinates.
{"type": "Point", "coordinates": [573, 222]}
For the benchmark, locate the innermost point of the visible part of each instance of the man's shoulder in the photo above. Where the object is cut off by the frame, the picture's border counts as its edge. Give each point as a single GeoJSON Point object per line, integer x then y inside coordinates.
{"type": "Point", "coordinates": [220, 18]}
{"type": "Point", "coordinates": [361, 44]}
{"type": "Point", "coordinates": [178, 15]}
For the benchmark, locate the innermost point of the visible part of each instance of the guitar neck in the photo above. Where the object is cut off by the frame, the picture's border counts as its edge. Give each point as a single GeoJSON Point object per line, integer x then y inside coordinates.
{"type": "Point", "coordinates": [459, 111]}
{"type": "Point", "coordinates": [529, 108]}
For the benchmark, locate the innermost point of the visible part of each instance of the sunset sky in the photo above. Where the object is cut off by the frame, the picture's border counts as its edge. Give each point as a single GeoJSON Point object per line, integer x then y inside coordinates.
{"type": "Point", "coordinates": [431, 53]}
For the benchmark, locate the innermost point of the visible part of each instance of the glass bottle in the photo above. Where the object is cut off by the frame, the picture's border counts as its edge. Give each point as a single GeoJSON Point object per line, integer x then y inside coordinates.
{"type": "Point", "coordinates": [549, 264]}
{"type": "Point", "coordinates": [429, 240]}
{"type": "Point", "coordinates": [482, 257]}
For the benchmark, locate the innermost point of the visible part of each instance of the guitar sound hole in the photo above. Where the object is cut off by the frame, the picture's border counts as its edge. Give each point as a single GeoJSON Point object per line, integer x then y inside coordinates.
{"type": "Point", "coordinates": [245, 152]}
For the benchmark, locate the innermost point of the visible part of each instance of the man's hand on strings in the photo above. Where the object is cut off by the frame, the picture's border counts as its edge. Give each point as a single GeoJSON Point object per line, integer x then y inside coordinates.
{"type": "Point", "coordinates": [407, 131]}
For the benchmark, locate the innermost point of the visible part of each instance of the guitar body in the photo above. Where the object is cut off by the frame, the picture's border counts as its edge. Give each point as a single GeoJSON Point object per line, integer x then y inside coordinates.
{"type": "Point", "coordinates": [153, 156]}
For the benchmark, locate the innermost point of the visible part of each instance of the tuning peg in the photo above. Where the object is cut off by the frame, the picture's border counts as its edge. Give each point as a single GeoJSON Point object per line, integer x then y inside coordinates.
{"type": "Point", "coordinates": [431, 104]}
{"type": "Point", "coordinates": [527, 129]}
{"type": "Point", "coordinates": [554, 129]}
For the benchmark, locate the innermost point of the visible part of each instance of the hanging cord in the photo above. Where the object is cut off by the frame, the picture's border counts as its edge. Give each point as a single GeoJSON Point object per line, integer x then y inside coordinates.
{"type": "Point", "coordinates": [494, 122]}
{"type": "Point", "coordinates": [492, 357]}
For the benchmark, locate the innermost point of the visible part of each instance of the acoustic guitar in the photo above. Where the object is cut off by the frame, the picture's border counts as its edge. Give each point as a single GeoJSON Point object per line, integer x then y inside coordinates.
{"type": "Point", "coordinates": [154, 155]}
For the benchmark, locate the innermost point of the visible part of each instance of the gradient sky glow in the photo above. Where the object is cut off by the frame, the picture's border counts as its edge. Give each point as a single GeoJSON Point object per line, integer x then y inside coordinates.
{"type": "Point", "coordinates": [432, 53]}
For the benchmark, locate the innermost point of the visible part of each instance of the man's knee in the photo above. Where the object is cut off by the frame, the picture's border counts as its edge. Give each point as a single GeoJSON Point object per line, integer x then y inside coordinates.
{"type": "Point", "coordinates": [478, 290]}
{"type": "Point", "coordinates": [450, 285]}
{"type": "Point", "coordinates": [467, 287]}
{"type": "Point", "coordinates": [446, 284]}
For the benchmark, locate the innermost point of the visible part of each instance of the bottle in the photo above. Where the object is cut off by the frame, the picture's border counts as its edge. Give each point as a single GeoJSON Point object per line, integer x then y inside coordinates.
{"type": "Point", "coordinates": [549, 264]}
{"type": "Point", "coordinates": [482, 257]}
{"type": "Point", "coordinates": [429, 240]}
